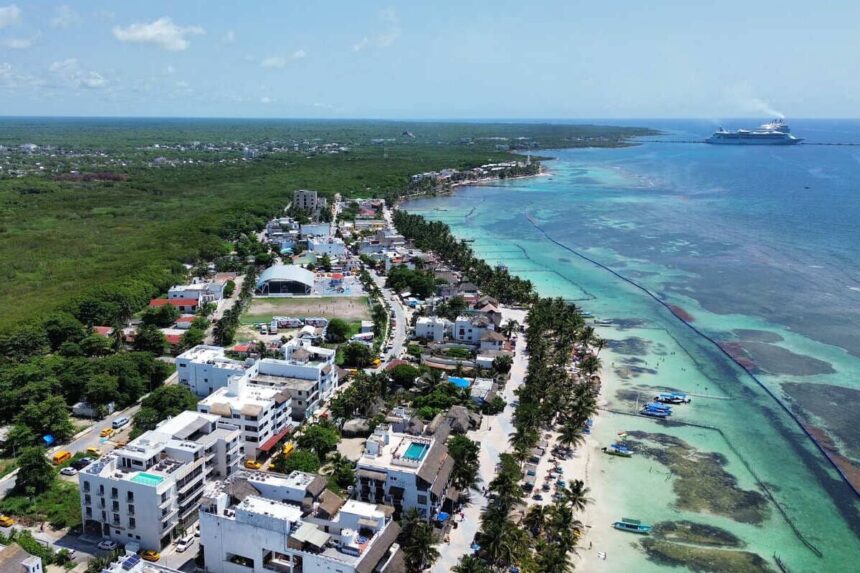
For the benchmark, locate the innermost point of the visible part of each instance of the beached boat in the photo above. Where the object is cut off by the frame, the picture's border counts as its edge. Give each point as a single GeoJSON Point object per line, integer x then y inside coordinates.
{"type": "Point", "coordinates": [672, 398]}
{"type": "Point", "coordinates": [632, 525]}
{"type": "Point", "coordinates": [617, 449]}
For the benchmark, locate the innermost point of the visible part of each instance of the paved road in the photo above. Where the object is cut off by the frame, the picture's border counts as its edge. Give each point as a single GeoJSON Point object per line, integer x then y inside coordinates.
{"type": "Point", "coordinates": [87, 439]}
{"type": "Point", "coordinates": [399, 337]}
{"type": "Point", "coordinates": [493, 437]}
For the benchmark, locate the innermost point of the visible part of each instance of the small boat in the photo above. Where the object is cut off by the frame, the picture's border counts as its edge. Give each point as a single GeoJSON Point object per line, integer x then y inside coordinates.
{"type": "Point", "coordinates": [672, 398]}
{"type": "Point", "coordinates": [632, 525]}
{"type": "Point", "coordinates": [618, 450]}
{"type": "Point", "coordinates": [655, 413]}
{"type": "Point", "coordinates": [658, 406]}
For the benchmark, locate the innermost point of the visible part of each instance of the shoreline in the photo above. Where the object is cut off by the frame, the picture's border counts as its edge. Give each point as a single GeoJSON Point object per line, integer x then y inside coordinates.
{"type": "Point", "coordinates": [599, 515]}
{"type": "Point", "coordinates": [450, 189]}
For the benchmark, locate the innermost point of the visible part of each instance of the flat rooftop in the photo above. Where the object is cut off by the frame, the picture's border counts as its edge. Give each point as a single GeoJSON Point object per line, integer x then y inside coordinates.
{"type": "Point", "coordinates": [275, 509]}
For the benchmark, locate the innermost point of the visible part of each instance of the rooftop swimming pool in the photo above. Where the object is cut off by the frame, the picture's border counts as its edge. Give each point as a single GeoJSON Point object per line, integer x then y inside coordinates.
{"type": "Point", "coordinates": [416, 451]}
{"type": "Point", "coordinates": [147, 479]}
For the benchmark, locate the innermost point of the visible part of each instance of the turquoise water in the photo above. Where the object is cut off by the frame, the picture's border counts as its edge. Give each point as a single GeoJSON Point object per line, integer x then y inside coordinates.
{"type": "Point", "coordinates": [147, 479]}
{"type": "Point", "coordinates": [416, 451]}
{"type": "Point", "coordinates": [756, 249]}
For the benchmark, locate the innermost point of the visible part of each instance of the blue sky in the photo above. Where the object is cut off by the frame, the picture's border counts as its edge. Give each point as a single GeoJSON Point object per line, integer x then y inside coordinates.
{"type": "Point", "coordinates": [431, 59]}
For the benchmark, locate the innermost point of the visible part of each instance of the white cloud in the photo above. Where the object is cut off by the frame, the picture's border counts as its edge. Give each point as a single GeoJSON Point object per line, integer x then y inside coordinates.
{"type": "Point", "coordinates": [273, 62]}
{"type": "Point", "coordinates": [9, 15]}
{"type": "Point", "coordinates": [162, 32]}
{"type": "Point", "coordinates": [265, 99]}
{"type": "Point", "coordinates": [9, 78]}
{"type": "Point", "coordinates": [170, 69]}
{"type": "Point", "coordinates": [70, 73]}
{"type": "Point", "coordinates": [280, 61]}
{"type": "Point", "coordinates": [230, 37]}
{"type": "Point", "coordinates": [18, 43]}
{"type": "Point", "coordinates": [385, 38]}
{"type": "Point", "coordinates": [65, 17]}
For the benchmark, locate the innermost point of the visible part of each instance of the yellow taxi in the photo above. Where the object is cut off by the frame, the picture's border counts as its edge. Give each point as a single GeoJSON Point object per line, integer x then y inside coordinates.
{"type": "Point", "coordinates": [94, 451]}
{"type": "Point", "coordinates": [6, 521]}
{"type": "Point", "coordinates": [253, 464]}
{"type": "Point", "coordinates": [150, 555]}
{"type": "Point", "coordinates": [106, 433]}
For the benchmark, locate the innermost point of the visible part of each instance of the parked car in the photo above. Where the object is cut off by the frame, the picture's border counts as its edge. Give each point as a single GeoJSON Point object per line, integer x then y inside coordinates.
{"type": "Point", "coordinates": [81, 463]}
{"type": "Point", "coordinates": [69, 471]}
{"type": "Point", "coordinates": [106, 433]}
{"type": "Point", "coordinates": [253, 464]}
{"type": "Point", "coordinates": [537, 497]}
{"type": "Point", "coordinates": [94, 451]}
{"type": "Point", "coordinates": [6, 521]}
{"type": "Point", "coordinates": [184, 544]}
{"type": "Point", "coordinates": [150, 555]}
{"type": "Point", "coordinates": [119, 422]}
{"type": "Point", "coordinates": [108, 545]}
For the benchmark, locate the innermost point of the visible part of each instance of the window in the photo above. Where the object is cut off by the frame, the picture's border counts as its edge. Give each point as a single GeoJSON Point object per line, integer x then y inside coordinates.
{"type": "Point", "coordinates": [422, 500]}
{"type": "Point", "coordinates": [115, 506]}
{"type": "Point", "coordinates": [132, 523]}
{"type": "Point", "coordinates": [86, 486]}
{"type": "Point", "coordinates": [114, 493]}
{"type": "Point", "coordinates": [89, 512]}
{"type": "Point", "coordinates": [129, 496]}
{"type": "Point", "coordinates": [131, 510]}
{"type": "Point", "coordinates": [87, 499]}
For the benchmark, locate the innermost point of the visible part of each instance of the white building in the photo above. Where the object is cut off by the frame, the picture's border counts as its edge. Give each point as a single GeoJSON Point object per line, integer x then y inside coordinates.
{"type": "Point", "coordinates": [259, 523]}
{"type": "Point", "coordinates": [263, 413]}
{"type": "Point", "coordinates": [132, 563]}
{"type": "Point", "coordinates": [481, 390]}
{"type": "Point", "coordinates": [492, 341]}
{"type": "Point", "coordinates": [204, 369]}
{"type": "Point", "coordinates": [308, 375]}
{"type": "Point", "coordinates": [142, 492]}
{"type": "Point", "coordinates": [13, 559]}
{"type": "Point", "coordinates": [206, 291]}
{"type": "Point", "coordinates": [405, 471]}
{"type": "Point", "coordinates": [433, 328]}
{"type": "Point", "coordinates": [470, 329]}
{"type": "Point", "coordinates": [331, 246]}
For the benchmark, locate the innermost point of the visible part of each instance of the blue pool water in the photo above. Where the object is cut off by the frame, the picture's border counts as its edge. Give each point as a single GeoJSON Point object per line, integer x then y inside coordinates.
{"type": "Point", "coordinates": [147, 479]}
{"type": "Point", "coordinates": [458, 382]}
{"type": "Point", "coordinates": [416, 451]}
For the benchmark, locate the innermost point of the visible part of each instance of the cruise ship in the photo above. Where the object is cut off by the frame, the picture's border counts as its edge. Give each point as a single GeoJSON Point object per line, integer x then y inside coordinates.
{"type": "Point", "coordinates": [775, 132]}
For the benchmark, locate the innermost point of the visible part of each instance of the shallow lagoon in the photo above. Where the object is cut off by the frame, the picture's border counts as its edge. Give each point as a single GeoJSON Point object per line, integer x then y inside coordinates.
{"type": "Point", "coordinates": [653, 225]}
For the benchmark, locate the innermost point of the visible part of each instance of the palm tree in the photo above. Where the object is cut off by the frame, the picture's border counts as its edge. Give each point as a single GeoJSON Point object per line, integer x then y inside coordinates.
{"type": "Point", "coordinates": [470, 564]}
{"type": "Point", "coordinates": [571, 435]}
{"type": "Point", "coordinates": [535, 519]}
{"type": "Point", "coordinates": [553, 559]}
{"type": "Point", "coordinates": [416, 540]}
{"type": "Point", "coordinates": [576, 495]}
{"type": "Point", "coordinates": [590, 364]}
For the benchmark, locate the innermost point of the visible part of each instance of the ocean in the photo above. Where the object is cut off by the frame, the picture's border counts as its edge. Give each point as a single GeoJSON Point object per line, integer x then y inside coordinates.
{"type": "Point", "coordinates": [728, 272]}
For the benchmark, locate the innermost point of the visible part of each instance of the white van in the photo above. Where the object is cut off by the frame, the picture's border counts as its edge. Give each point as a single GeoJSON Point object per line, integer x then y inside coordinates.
{"type": "Point", "coordinates": [119, 422]}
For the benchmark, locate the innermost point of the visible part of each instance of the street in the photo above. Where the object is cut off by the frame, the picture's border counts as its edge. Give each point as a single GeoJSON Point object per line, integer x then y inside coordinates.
{"type": "Point", "coordinates": [493, 437]}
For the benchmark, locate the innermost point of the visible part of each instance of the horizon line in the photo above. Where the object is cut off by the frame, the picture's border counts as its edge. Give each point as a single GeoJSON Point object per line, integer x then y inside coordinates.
{"type": "Point", "coordinates": [419, 119]}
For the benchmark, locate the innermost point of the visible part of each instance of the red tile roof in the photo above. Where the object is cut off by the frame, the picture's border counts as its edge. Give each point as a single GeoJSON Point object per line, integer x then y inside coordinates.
{"type": "Point", "coordinates": [269, 444]}
{"type": "Point", "coordinates": [103, 330]}
{"type": "Point", "coordinates": [173, 339]}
